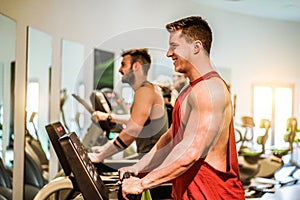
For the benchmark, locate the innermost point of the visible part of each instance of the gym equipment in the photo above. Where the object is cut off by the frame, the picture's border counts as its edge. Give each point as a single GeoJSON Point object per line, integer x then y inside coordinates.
{"type": "Point", "coordinates": [88, 179]}
{"type": "Point", "coordinates": [35, 156]}
{"type": "Point", "coordinates": [247, 135]}
{"type": "Point", "coordinates": [79, 170]}
{"type": "Point", "coordinates": [289, 137]}
{"type": "Point", "coordinates": [285, 179]}
{"type": "Point", "coordinates": [116, 103]}
{"type": "Point", "coordinates": [131, 197]}
{"type": "Point", "coordinates": [35, 169]}
{"type": "Point", "coordinates": [34, 150]}
{"type": "Point", "coordinates": [61, 187]}
{"type": "Point", "coordinates": [33, 180]}
{"type": "Point", "coordinates": [33, 177]}
{"type": "Point", "coordinates": [257, 163]}
{"type": "Point", "coordinates": [63, 98]}
{"type": "Point", "coordinates": [261, 140]}
{"type": "Point", "coordinates": [100, 103]}
{"type": "Point", "coordinates": [82, 177]}
{"type": "Point", "coordinates": [5, 182]}
{"type": "Point", "coordinates": [55, 131]}
{"type": "Point", "coordinates": [34, 147]}
{"type": "Point", "coordinates": [104, 100]}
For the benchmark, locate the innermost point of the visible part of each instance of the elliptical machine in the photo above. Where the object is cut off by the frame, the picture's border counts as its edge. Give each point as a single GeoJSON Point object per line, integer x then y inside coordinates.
{"type": "Point", "coordinates": [104, 100]}
{"type": "Point", "coordinates": [257, 163]}
{"type": "Point", "coordinates": [287, 174]}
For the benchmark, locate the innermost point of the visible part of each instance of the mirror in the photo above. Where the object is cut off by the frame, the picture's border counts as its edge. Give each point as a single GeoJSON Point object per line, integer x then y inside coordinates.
{"type": "Point", "coordinates": [39, 55]}
{"type": "Point", "coordinates": [71, 82]}
{"type": "Point", "coordinates": [7, 64]}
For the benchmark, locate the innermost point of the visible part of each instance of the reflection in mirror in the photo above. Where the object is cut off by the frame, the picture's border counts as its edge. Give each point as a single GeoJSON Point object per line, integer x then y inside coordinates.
{"type": "Point", "coordinates": [39, 52]}
{"type": "Point", "coordinates": [38, 84]}
{"type": "Point", "coordinates": [71, 82]}
{"type": "Point", "coordinates": [7, 64]}
{"type": "Point", "coordinates": [7, 60]}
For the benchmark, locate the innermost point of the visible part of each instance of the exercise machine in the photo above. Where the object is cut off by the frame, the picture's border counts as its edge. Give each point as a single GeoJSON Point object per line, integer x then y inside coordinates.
{"type": "Point", "coordinates": [75, 164]}
{"type": "Point", "coordinates": [104, 100]}
{"type": "Point", "coordinates": [5, 182]}
{"type": "Point", "coordinates": [244, 134]}
{"type": "Point", "coordinates": [291, 138]}
{"type": "Point", "coordinates": [275, 187]}
{"type": "Point", "coordinates": [33, 180]}
{"type": "Point", "coordinates": [255, 163]}
{"type": "Point", "coordinates": [35, 168]}
{"type": "Point", "coordinates": [80, 174]}
{"type": "Point", "coordinates": [82, 178]}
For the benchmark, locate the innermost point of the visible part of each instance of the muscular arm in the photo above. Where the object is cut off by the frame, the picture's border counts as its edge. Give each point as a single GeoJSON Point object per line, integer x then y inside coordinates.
{"type": "Point", "coordinates": [120, 119]}
{"type": "Point", "coordinates": [204, 116]}
{"type": "Point", "coordinates": [140, 112]}
{"type": "Point", "coordinates": [157, 154]}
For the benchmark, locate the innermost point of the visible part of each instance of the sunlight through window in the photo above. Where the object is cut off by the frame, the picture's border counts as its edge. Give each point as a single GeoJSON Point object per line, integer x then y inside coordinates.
{"type": "Point", "coordinates": [274, 103]}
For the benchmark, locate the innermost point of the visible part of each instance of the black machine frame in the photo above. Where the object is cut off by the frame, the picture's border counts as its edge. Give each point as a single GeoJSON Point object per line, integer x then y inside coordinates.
{"type": "Point", "coordinates": [74, 160]}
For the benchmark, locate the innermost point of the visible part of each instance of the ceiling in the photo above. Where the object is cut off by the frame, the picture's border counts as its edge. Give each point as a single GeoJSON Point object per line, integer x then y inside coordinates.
{"type": "Point", "coordinates": [274, 9]}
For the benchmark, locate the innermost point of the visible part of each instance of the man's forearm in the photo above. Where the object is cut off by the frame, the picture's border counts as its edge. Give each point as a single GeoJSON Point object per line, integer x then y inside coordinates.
{"type": "Point", "coordinates": [176, 163]}
{"type": "Point", "coordinates": [120, 119]}
{"type": "Point", "coordinates": [152, 160]}
{"type": "Point", "coordinates": [108, 150]}
{"type": "Point", "coordinates": [156, 156]}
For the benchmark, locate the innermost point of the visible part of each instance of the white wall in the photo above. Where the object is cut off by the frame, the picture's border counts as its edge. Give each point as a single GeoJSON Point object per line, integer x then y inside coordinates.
{"type": "Point", "coordinates": [255, 49]}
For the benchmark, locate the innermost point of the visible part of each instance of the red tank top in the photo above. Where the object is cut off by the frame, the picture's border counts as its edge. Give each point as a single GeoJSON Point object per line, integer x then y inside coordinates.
{"type": "Point", "coordinates": [202, 181]}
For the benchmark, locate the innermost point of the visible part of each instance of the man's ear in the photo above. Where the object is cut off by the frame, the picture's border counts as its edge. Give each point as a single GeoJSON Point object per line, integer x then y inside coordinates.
{"type": "Point", "coordinates": [136, 65]}
{"type": "Point", "coordinates": [197, 46]}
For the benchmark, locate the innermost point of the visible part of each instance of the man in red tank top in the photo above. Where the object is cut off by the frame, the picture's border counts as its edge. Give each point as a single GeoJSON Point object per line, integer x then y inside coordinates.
{"type": "Point", "coordinates": [198, 152]}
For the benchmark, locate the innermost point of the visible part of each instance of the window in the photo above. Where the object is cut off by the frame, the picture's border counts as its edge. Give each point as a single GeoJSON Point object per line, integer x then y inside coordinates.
{"type": "Point", "coordinates": [274, 102]}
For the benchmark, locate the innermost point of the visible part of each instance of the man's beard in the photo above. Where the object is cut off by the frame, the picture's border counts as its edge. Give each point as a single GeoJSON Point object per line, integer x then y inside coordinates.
{"type": "Point", "coordinates": [129, 77]}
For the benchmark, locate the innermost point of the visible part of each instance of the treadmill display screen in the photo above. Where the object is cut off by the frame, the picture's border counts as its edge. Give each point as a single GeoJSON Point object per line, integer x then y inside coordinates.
{"type": "Point", "coordinates": [74, 160]}
{"type": "Point", "coordinates": [55, 131]}
{"type": "Point", "coordinates": [86, 175]}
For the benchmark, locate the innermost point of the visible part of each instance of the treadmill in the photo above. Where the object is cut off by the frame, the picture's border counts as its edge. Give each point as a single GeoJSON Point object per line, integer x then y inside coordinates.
{"type": "Point", "coordinates": [75, 163]}
{"type": "Point", "coordinates": [82, 175]}
{"type": "Point", "coordinates": [86, 175]}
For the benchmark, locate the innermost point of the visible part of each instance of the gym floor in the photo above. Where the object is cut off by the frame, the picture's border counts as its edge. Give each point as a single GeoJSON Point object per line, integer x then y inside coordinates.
{"type": "Point", "coordinates": [284, 186]}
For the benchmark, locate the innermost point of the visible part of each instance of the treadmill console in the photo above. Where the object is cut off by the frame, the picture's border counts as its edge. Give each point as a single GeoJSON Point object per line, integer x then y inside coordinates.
{"type": "Point", "coordinates": [55, 131]}
{"type": "Point", "coordinates": [73, 158]}
{"type": "Point", "coordinates": [86, 175]}
{"type": "Point", "coordinates": [117, 105]}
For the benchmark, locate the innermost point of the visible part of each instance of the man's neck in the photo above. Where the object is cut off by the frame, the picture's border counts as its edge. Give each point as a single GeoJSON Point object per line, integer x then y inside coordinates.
{"type": "Point", "coordinates": [138, 83]}
{"type": "Point", "coordinates": [199, 68]}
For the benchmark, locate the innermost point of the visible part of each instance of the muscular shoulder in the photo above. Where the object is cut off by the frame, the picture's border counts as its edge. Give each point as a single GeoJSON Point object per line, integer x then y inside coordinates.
{"type": "Point", "coordinates": [147, 102]}
{"type": "Point", "coordinates": [149, 91]}
{"type": "Point", "coordinates": [211, 92]}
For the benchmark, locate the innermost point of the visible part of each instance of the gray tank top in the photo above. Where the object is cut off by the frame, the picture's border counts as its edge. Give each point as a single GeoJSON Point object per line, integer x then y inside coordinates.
{"type": "Point", "coordinates": [151, 133]}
